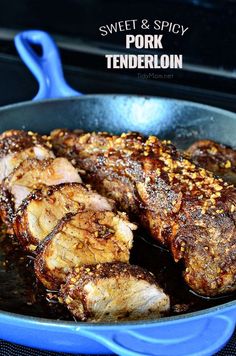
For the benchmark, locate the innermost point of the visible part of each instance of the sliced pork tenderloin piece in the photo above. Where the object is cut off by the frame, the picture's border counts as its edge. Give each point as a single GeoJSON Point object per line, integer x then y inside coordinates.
{"type": "Point", "coordinates": [44, 208]}
{"type": "Point", "coordinates": [16, 146]}
{"type": "Point", "coordinates": [32, 174]}
{"type": "Point", "coordinates": [89, 237]}
{"type": "Point", "coordinates": [215, 157]}
{"type": "Point", "coordinates": [113, 292]}
{"type": "Point", "coordinates": [11, 161]}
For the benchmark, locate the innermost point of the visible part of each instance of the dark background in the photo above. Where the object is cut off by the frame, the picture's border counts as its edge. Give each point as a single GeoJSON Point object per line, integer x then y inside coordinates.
{"type": "Point", "coordinates": [208, 47]}
{"type": "Point", "coordinates": [208, 41]}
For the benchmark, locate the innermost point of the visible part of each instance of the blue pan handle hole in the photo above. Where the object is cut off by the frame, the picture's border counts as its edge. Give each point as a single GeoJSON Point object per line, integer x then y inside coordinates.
{"type": "Point", "coordinates": [40, 54]}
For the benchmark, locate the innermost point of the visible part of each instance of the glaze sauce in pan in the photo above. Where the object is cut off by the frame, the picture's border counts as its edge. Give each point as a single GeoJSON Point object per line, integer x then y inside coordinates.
{"type": "Point", "coordinates": [20, 293]}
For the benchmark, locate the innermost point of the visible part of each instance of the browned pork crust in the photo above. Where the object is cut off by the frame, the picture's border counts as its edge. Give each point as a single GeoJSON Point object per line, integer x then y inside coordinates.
{"type": "Point", "coordinates": [183, 206]}
{"type": "Point", "coordinates": [16, 140]}
{"type": "Point", "coordinates": [215, 157]}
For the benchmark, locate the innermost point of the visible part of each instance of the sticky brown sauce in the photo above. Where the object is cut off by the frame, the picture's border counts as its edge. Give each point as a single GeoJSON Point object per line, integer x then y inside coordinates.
{"type": "Point", "coordinates": [21, 293]}
{"type": "Point", "coordinates": [148, 254]}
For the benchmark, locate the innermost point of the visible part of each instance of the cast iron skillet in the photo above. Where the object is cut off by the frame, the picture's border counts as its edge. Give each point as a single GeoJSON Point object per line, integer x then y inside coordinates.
{"type": "Point", "coordinates": [199, 333]}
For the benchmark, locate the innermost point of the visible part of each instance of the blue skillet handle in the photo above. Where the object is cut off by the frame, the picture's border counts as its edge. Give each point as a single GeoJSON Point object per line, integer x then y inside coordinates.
{"type": "Point", "coordinates": [46, 68]}
{"type": "Point", "coordinates": [202, 336]}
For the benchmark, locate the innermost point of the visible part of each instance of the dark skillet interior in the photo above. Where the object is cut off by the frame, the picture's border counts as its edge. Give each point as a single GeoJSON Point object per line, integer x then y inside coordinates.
{"type": "Point", "coordinates": [182, 122]}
